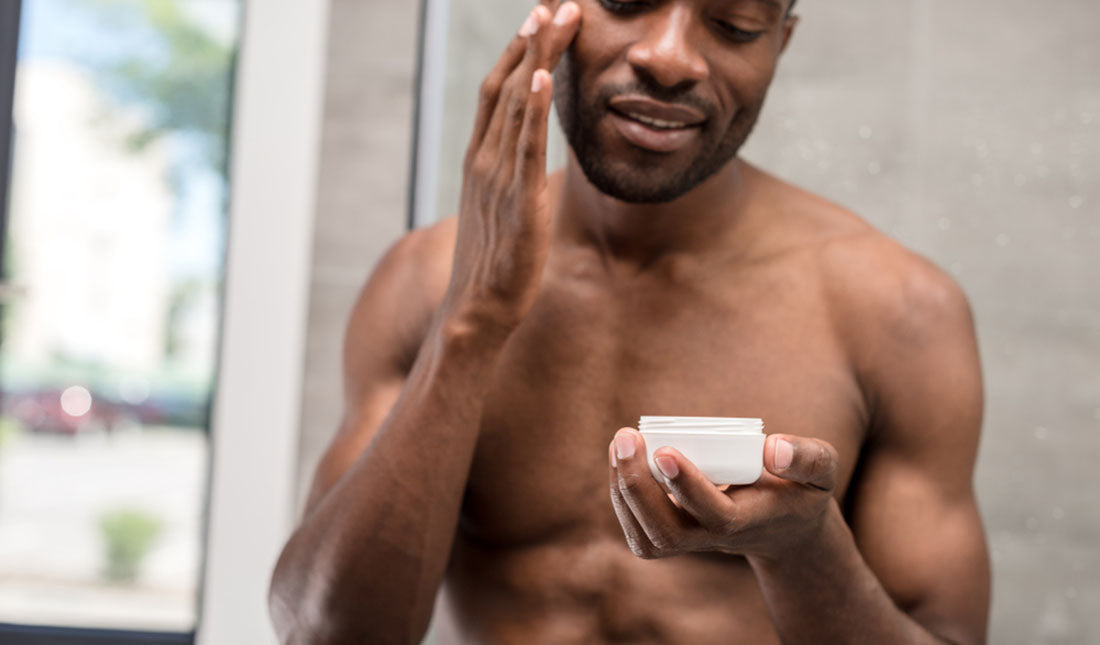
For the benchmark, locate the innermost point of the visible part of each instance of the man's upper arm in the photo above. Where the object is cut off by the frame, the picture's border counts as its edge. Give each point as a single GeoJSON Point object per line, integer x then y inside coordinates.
{"type": "Point", "coordinates": [387, 325]}
{"type": "Point", "coordinates": [912, 508]}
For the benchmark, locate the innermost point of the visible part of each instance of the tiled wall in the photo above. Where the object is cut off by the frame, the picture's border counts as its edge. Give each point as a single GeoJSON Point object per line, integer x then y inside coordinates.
{"type": "Point", "coordinates": [967, 129]}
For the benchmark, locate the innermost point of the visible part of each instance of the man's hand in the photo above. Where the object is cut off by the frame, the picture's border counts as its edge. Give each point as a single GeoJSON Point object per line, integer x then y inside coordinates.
{"type": "Point", "coordinates": [785, 509]}
{"type": "Point", "coordinates": [504, 216]}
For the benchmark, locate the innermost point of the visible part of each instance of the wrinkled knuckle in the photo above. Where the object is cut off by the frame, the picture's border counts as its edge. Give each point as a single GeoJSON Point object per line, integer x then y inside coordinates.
{"type": "Point", "coordinates": [727, 527]}
{"type": "Point", "coordinates": [638, 548]}
{"type": "Point", "coordinates": [629, 483]}
{"type": "Point", "coordinates": [824, 465]}
{"type": "Point", "coordinates": [528, 152]}
{"type": "Point", "coordinates": [663, 541]}
{"type": "Point", "coordinates": [489, 88]}
{"type": "Point", "coordinates": [481, 166]}
{"type": "Point", "coordinates": [527, 155]}
{"type": "Point", "coordinates": [517, 106]}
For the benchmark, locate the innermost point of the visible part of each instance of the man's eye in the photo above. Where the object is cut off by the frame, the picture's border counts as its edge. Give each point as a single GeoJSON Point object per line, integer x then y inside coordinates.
{"type": "Point", "coordinates": [737, 34]}
{"type": "Point", "coordinates": [628, 7]}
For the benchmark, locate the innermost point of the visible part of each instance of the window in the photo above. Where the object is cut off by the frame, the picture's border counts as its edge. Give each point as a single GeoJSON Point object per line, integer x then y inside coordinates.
{"type": "Point", "coordinates": [113, 271]}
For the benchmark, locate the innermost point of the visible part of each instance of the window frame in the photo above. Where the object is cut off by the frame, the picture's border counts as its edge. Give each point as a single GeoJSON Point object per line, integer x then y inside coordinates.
{"type": "Point", "coordinates": [256, 424]}
{"type": "Point", "coordinates": [9, 51]}
{"type": "Point", "coordinates": [46, 635]}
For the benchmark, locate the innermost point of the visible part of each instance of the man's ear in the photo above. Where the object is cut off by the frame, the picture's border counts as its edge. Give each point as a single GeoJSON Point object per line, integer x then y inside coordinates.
{"type": "Point", "coordinates": [788, 31]}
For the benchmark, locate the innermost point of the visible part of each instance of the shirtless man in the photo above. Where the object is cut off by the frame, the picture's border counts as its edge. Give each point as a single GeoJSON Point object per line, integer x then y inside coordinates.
{"type": "Point", "coordinates": [493, 360]}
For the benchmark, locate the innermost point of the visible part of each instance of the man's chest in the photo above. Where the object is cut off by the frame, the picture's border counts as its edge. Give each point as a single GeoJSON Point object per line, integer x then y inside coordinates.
{"type": "Point", "coordinates": [583, 365]}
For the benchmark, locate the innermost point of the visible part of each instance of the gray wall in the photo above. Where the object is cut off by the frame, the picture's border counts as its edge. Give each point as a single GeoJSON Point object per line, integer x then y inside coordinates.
{"type": "Point", "coordinates": [361, 206]}
{"type": "Point", "coordinates": [968, 130]}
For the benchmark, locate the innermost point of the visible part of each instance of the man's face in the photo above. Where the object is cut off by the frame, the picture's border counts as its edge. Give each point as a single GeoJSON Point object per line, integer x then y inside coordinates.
{"type": "Point", "coordinates": [655, 96]}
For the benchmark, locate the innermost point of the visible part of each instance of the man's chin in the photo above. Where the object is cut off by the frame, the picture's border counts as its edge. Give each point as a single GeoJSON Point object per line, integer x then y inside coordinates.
{"type": "Point", "coordinates": [635, 187]}
{"type": "Point", "coordinates": [642, 178]}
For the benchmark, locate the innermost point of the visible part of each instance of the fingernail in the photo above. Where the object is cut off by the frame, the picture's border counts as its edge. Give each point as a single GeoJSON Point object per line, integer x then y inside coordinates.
{"type": "Point", "coordinates": [565, 13]}
{"type": "Point", "coordinates": [538, 80]}
{"type": "Point", "coordinates": [784, 453]}
{"type": "Point", "coordinates": [530, 26]}
{"type": "Point", "coordinates": [614, 462]}
{"type": "Point", "coordinates": [667, 466]}
{"type": "Point", "coordinates": [624, 446]}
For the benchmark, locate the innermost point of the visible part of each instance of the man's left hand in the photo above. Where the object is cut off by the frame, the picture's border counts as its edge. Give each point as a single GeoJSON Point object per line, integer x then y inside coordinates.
{"type": "Point", "coordinates": [785, 509]}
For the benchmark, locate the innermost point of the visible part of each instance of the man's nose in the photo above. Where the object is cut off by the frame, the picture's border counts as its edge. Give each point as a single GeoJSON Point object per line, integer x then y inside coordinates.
{"type": "Point", "coordinates": [665, 50]}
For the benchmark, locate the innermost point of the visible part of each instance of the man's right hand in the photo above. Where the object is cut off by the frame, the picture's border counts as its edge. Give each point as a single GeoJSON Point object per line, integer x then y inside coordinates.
{"type": "Point", "coordinates": [504, 216]}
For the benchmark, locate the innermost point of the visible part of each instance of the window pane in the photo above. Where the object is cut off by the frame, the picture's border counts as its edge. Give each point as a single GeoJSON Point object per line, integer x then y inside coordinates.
{"type": "Point", "coordinates": [107, 363]}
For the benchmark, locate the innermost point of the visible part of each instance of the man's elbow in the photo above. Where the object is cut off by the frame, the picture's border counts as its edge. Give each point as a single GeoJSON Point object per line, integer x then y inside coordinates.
{"type": "Point", "coordinates": [298, 608]}
{"type": "Point", "coordinates": [313, 609]}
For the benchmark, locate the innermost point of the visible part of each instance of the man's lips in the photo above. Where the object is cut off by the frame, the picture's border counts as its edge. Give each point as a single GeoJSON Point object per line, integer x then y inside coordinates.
{"type": "Point", "coordinates": [656, 113]}
{"type": "Point", "coordinates": [655, 126]}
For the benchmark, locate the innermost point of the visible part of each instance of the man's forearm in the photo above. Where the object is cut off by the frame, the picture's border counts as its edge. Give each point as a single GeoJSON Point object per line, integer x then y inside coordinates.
{"type": "Point", "coordinates": [826, 593]}
{"type": "Point", "coordinates": [366, 563]}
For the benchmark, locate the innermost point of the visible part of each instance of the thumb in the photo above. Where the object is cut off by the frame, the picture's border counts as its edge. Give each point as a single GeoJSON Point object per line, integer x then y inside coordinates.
{"type": "Point", "coordinates": [800, 459]}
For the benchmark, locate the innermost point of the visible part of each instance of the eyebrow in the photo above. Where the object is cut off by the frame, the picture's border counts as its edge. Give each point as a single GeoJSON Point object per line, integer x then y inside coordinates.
{"type": "Point", "coordinates": [775, 4]}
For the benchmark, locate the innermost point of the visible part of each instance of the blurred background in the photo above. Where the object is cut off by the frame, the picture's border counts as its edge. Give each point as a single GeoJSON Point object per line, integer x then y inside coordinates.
{"type": "Point", "coordinates": [969, 133]}
{"type": "Point", "coordinates": [112, 265]}
{"type": "Point", "coordinates": [135, 278]}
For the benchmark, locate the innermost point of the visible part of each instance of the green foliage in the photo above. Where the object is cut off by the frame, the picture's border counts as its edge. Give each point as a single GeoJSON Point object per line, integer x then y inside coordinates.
{"type": "Point", "coordinates": [186, 89]}
{"type": "Point", "coordinates": [128, 535]}
{"type": "Point", "coordinates": [9, 428]}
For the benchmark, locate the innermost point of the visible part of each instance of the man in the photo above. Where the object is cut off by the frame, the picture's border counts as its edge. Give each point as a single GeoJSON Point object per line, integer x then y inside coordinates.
{"type": "Point", "coordinates": [492, 361]}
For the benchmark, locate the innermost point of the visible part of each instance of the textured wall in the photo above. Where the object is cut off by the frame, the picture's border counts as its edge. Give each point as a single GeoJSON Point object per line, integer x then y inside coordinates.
{"type": "Point", "coordinates": [362, 188]}
{"type": "Point", "coordinates": [968, 130]}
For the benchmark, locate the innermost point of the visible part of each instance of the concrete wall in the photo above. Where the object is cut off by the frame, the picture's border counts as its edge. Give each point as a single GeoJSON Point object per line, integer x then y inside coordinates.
{"type": "Point", "coordinates": [969, 131]}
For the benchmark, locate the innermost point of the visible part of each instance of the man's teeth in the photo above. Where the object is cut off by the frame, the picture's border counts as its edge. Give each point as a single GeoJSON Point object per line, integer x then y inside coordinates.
{"type": "Point", "coordinates": [658, 123]}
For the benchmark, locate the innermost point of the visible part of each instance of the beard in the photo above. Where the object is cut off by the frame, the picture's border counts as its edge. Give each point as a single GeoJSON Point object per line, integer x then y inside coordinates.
{"type": "Point", "coordinates": [644, 177]}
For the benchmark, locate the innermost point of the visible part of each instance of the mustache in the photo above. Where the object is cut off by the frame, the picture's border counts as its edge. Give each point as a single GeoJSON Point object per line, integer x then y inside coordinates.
{"type": "Point", "coordinates": [657, 92]}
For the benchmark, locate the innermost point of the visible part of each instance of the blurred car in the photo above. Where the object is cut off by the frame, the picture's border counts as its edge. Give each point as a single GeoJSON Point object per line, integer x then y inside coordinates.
{"type": "Point", "coordinates": [73, 410]}
{"type": "Point", "coordinates": [78, 409]}
{"type": "Point", "coordinates": [52, 410]}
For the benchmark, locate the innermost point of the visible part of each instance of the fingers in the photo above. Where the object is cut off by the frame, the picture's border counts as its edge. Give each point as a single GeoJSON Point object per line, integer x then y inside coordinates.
{"type": "Point", "coordinates": [566, 24]}
{"type": "Point", "coordinates": [712, 508]}
{"type": "Point", "coordinates": [505, 91]}
{"type": "Point", "coordinates": [531, 149]}
{"type": "Point", "coordinates": [518, 98]}
{"type": "Point", "coordinates": [635, 537]}
{"type": "Point", "coordinates": [511, 102]}
{"type": "Point", "coordinates": [490, 87]}
{"type": "Point", "coordinates": [799, 459]}
{"type": "Point", "coordinates": [662, 522]}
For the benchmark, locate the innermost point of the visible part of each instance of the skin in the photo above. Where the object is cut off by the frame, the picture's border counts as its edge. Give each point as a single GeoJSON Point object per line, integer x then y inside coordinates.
{"type": "Point", "coordinates": [495, 362]}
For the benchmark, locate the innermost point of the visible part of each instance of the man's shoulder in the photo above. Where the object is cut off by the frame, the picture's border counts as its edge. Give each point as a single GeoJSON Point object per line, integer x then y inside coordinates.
{"type": "Point", "coordinates": [875, 287]}
{"type": "Point", "coordinates": [420, 260]}
{"type": "Point", "coordinates": [886, 302]}
{"type": "Point", "coordinates": [881, 286]}
{"type": "Point", "coordinates": [406, 287]}
{"type": "Point", "coordinates": [427, 248]}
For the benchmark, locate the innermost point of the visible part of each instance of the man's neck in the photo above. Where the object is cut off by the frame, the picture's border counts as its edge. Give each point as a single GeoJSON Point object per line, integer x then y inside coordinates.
{"type": "Point", "coordinates": [711, 216]}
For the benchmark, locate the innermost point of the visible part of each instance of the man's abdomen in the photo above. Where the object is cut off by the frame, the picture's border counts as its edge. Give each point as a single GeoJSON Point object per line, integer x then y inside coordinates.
{"type": "Point", "coordinates": [592, 589]}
